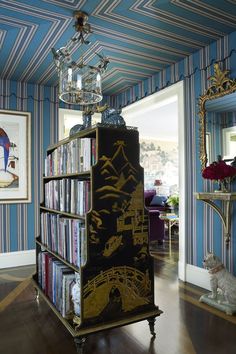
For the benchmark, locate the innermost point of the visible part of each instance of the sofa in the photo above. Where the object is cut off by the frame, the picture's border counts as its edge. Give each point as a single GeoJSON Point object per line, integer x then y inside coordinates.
{"type": "Point", "coordinates": [155, 205]}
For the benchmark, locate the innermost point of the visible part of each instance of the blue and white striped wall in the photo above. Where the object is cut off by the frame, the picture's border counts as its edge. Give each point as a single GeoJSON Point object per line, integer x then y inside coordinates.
{"type": "Point", "coordinates": [19, 223]}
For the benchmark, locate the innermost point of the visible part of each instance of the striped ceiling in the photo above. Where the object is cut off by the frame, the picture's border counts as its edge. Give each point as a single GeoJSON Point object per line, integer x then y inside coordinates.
{"type": "Point", "coordinates": [140, 37]}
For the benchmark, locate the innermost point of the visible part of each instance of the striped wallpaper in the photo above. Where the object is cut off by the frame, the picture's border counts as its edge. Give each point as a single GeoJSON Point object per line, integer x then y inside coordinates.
{"type": "Point", "coordinates": [19, 223]}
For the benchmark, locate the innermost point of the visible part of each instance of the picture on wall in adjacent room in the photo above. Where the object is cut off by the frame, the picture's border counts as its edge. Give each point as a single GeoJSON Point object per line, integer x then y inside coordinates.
{"type": "Point", "coordinates": [159, 158]}
{"type": "Point", "coordinates": [15, 159]}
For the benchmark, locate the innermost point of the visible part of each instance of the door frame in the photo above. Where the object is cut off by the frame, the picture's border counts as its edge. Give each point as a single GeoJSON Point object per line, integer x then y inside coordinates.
{"type": "Point", "coordinates": [158, 98]}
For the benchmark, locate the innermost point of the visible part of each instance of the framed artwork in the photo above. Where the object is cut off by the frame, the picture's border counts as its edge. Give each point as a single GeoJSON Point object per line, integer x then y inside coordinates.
{"type": "Point", "coordinates": [15, 157]}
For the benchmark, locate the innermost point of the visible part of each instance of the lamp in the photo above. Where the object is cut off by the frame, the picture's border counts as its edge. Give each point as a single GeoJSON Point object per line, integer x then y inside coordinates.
{"type": "Point", "coordinates": [79, 83]}
{"type": "Point", "coordinates": [157, 184]}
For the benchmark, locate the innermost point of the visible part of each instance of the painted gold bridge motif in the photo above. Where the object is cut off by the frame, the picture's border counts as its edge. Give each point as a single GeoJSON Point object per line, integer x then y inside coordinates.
{"type": "Point", "coordinates": [125, 285]}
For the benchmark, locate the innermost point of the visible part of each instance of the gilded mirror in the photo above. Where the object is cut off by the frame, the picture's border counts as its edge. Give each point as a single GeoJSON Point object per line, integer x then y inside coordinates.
{"type": "Point", "coordinates": [222, 96]}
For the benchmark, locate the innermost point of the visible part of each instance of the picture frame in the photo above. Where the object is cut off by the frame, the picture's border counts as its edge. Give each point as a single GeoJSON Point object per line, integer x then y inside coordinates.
{"type": "Point", "coordinates": [15, 157]}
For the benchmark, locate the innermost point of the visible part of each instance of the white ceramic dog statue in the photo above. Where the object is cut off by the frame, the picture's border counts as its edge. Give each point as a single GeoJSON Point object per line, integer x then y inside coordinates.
{"type": "Point", "coordinates": [221, 281]}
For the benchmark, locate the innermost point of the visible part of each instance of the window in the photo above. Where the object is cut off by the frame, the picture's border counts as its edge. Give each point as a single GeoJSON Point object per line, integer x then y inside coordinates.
{"type": "Point", "coordinates": [70, 117]}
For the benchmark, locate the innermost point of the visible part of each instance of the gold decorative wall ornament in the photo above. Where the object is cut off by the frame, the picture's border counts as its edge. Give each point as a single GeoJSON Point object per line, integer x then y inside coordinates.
{"type": "Point", "coordinates": [221, 86]}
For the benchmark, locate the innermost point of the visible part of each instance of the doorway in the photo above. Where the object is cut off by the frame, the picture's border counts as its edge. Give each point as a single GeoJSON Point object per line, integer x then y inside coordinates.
{"type": "Point", "coordinates": [141, 114]}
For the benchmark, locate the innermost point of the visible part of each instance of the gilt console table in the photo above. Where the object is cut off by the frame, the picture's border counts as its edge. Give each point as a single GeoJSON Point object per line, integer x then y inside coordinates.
{"type": "Point", "coordinates": [225, 212]}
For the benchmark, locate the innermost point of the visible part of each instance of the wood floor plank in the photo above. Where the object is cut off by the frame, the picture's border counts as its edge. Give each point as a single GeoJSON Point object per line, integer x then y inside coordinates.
{"type": "Point", "coordinates": [14, 294]}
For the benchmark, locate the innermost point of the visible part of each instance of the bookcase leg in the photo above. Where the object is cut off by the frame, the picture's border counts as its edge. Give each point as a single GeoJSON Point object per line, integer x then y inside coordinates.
{"type": "Point", "coordinates": [79, 343]}
{"type": "Point", "coordinates": [151, 322]}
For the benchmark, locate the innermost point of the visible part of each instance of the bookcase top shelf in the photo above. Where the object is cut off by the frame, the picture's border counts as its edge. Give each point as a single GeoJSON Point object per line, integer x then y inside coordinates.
{"type": "Point", "coordinates": [87, 133]}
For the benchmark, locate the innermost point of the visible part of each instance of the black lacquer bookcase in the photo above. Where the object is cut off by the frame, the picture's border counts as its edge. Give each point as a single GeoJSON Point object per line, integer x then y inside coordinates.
{"type": "Point", "coordinates": [116, 275]}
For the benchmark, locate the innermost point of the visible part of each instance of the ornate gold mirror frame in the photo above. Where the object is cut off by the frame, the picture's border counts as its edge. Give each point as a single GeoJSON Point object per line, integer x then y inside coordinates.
{"type": "Point", "coordinates": [221, 86]}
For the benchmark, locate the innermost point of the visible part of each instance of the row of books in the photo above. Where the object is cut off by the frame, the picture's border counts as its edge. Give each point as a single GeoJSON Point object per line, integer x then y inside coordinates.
{"type": "Point", "coordinates": [64, 236]}
{"type": "Point", "coordinates": [68, 195]}
{"type": "Point", "coordinates": [78, 155]}
{"type": "Point", "coordinates": [57, 281]}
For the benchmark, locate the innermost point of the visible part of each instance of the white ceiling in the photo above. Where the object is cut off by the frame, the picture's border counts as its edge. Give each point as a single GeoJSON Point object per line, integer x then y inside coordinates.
{"type": "Point", "coordinates": [154, 120]}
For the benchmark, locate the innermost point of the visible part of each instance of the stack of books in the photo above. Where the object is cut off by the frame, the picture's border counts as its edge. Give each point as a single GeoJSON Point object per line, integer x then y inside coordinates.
{"type": "Point", "coordinates": [56, 280]}
{"type": "Point", "coordinates": [64, 236]}
{"type": "Point", "coordinates": [68, 195]}
{"type": "Point", "coordinates": [78, 155]}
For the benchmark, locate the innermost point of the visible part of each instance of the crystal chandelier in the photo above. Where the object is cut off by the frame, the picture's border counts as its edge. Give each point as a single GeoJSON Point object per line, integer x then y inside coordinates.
{"type": "Point", "coordinates": [79, 82]}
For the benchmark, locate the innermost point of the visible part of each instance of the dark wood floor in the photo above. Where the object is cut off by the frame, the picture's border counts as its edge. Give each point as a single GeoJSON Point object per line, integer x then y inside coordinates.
{"type": "Point", "coordinates": [186, 326]}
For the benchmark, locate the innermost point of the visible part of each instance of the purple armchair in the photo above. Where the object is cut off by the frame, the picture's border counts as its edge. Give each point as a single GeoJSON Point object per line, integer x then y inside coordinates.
{"type": "Point", "coordinates": [155, 205]}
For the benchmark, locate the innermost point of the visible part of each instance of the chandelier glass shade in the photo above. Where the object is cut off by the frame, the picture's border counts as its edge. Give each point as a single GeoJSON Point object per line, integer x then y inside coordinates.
{"type": "Point", "coordinates": [79, 82]}
{"type": "Point", "coordinates": [80, 85]}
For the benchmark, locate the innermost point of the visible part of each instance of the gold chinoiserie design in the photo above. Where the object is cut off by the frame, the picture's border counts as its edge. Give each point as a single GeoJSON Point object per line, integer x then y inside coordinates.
{"type": "Point", "coordinates": [118, 236]}
{"type": "Point", "coordinates": [126, 286]}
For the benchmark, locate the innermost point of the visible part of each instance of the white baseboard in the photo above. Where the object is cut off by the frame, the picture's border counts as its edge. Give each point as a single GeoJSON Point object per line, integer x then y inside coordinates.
{"type": "Point", "coordinates": [197, 276]}
{"type": "Point", "coordinates": [194, 275]}
{"type": "Point", "coordinates": [17, 259]}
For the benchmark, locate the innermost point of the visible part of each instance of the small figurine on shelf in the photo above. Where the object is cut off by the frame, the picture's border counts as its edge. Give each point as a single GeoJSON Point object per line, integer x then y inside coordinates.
{"type": "Point", "coordinates": [111, 116]}
{"type": "Point", "coordinates": [87, 119]}
{"type": "Point", "coordinates": [87, 113]}
{"type": "Point", "coordinates": [75, 295]}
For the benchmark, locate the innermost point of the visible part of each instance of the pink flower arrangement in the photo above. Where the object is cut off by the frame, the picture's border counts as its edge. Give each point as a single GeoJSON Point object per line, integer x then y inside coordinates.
{"type": "Point", "coordinates": [218, 171]}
